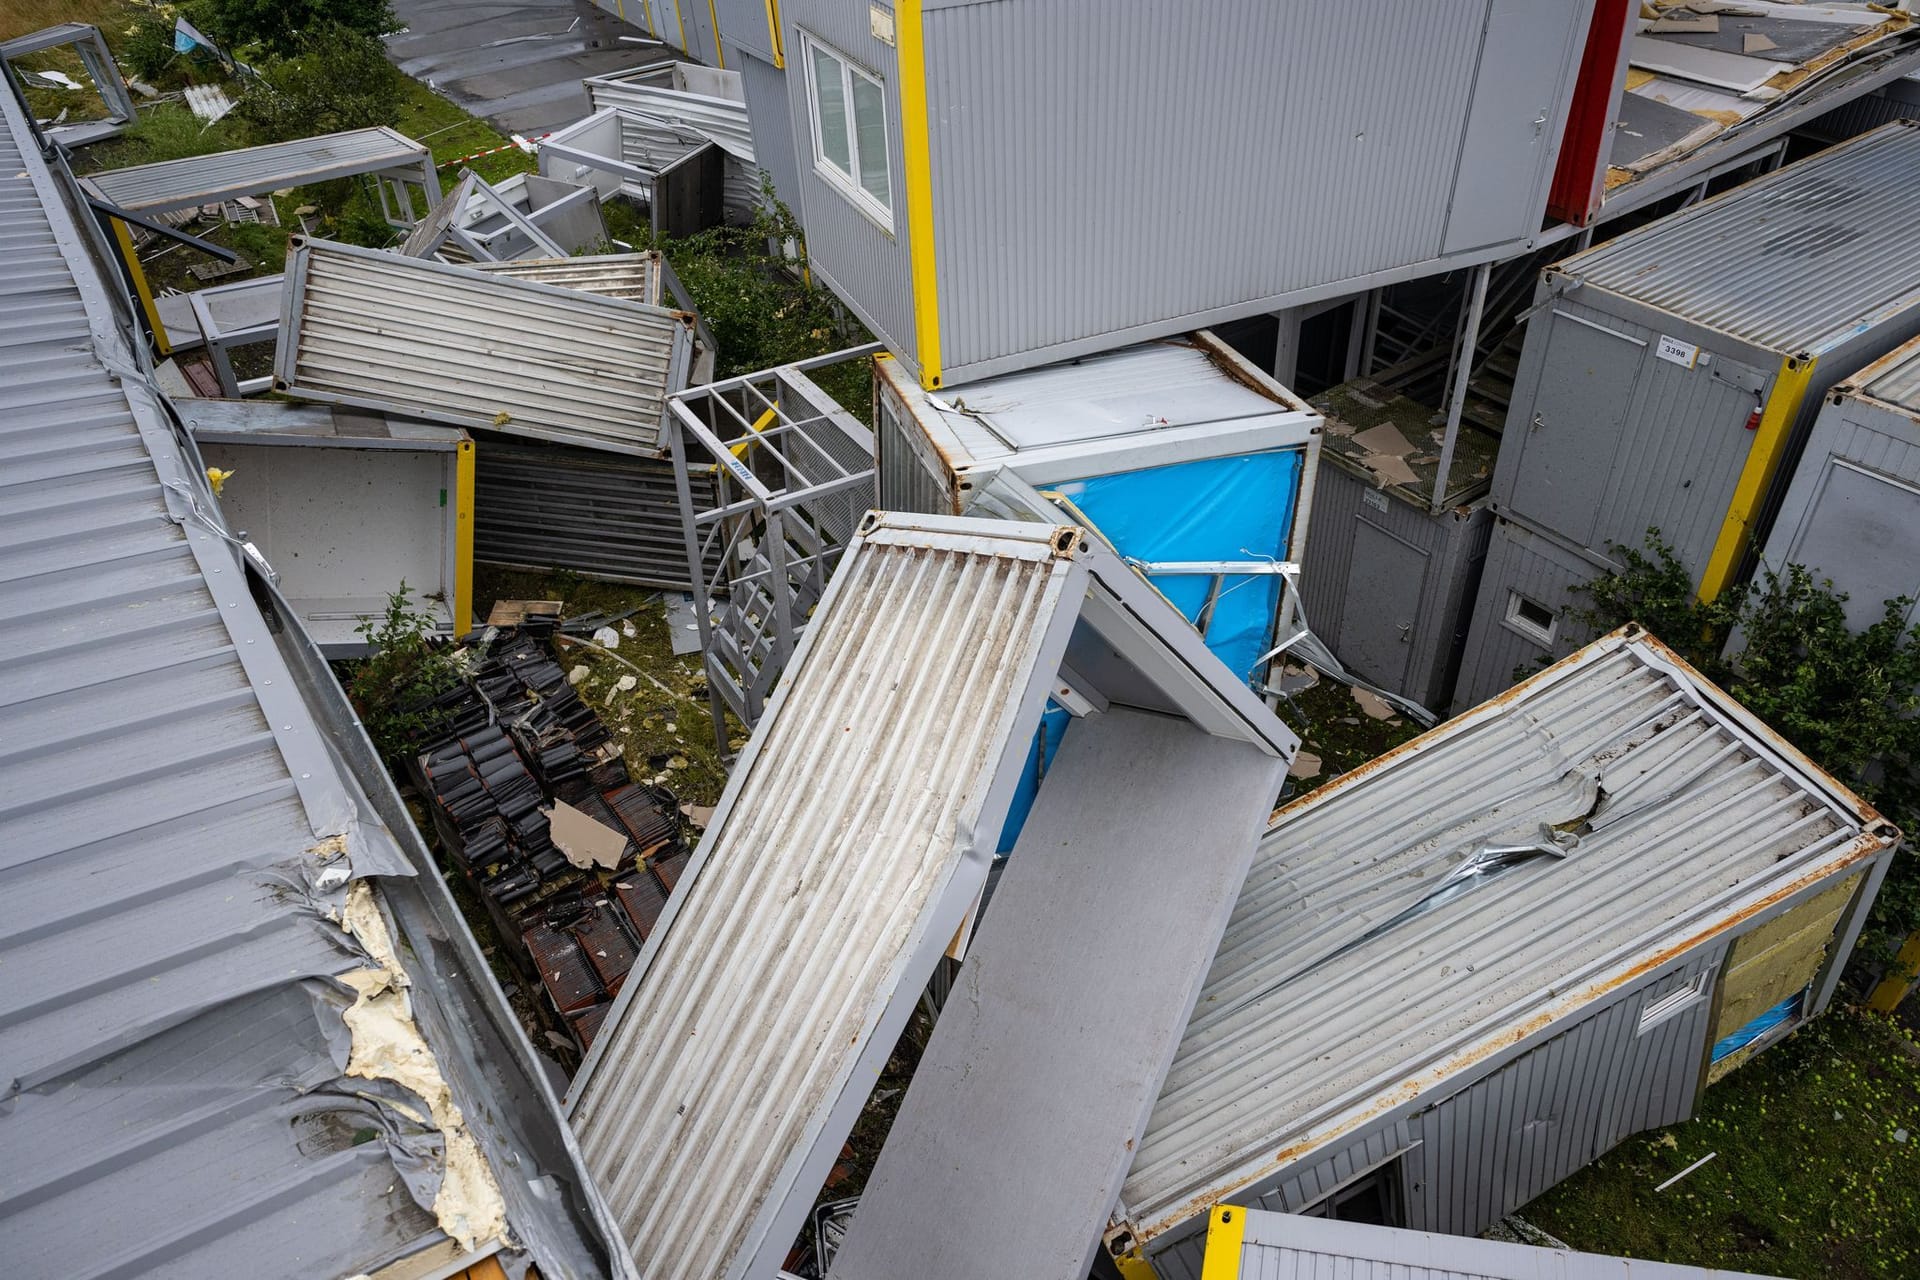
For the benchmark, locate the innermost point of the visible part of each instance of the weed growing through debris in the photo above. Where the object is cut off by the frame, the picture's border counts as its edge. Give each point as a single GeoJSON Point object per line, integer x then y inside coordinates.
{"type": "Point", "coordinates": [1817, 1172]}
{"type": "Point", "coordinates": [392, 687]}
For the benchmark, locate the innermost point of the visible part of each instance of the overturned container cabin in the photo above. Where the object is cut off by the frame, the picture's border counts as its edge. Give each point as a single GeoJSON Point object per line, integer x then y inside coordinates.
{"type": "Point", "coordinates": [1669, 381]}
{"type": "Point", "coordinates": [849, 853]}
{"type": "Point", "coordinates": [1457, 975]}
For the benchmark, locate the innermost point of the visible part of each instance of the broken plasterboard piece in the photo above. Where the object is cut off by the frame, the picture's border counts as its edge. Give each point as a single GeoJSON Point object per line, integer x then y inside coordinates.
{"type": "Point", "coordinates": [1385, 438]}
{"type": "Point", "coordinates": [1305, 765]}
{"type": "Point", "coordinates": [587, 842]}
{"type": "Point", "coordinates": [1390, 468]}
{"type": "Point", "coordinates": [1373, 704]}
{"type": "Point", "coordinates": [513, 613]}
{"type": "Point", "coordinates": [1755, 43]}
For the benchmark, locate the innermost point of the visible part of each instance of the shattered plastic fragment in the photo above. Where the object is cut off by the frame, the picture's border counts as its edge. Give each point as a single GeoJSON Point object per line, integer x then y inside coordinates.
{"type": "Point", "coordinates": [578, 674]}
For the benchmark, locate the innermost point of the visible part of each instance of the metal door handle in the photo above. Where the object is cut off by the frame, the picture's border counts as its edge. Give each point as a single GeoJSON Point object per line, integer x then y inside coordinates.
{"type": "Point", "coordinates": [1536, 424]}
{"type": "Point", "coordinates": [1406, 632]}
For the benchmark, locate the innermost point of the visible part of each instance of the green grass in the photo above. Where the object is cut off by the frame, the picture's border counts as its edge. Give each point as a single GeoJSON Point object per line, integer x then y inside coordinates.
{"type": "Point", "coordinates": [665, 735]}
{"type": "Point", "coordinates": [1809, 1179]}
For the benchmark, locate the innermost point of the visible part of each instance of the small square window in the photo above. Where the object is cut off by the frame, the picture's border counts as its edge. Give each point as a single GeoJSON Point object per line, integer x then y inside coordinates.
{"type": "Point", "coordinates": [1658, 1010]}
{"type": "Point", "coordinates": [848, 110]}
{"type": "Point", "coordinates": [1531, 618]}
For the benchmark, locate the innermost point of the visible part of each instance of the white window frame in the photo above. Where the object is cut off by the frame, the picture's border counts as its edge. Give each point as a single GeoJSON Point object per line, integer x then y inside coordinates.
{"type": "Point", "coordinates": [1527, 626]}
{"type": "Point", "coordinates": [848, 184]}
{"type": "Point", "coordinates": [1674, 1002]}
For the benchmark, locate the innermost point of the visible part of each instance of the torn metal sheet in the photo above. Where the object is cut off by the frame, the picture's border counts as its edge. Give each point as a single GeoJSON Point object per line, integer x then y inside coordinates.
{"type": "Point", "coordinates": [197, 180]}
{"type": "Point", "coordinates": [453, 345]}
{"type": "Point", "coordinates": [902, 726]}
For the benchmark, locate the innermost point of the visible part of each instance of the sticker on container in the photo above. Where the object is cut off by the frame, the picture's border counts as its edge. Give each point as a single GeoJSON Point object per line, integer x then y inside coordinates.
{"type": "Point", "coordinates": [1677, 352]}
{"type": "Point", "coordinates": [880, 23]}
{"type": "Point", "coordinates": [1375, 499]}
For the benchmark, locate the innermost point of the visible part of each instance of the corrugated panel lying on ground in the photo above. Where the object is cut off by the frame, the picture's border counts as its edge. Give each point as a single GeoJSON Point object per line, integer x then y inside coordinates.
{"type": "Point", "coordinates": [605, 515]}
{"type": "Point", "coordinates": [449, 343]}
{"type": "Point", "coordinates": [1286, 1246]}
{"type": "Point", "coordinates": [1814, 234]}
{"type": "Point", "coordinates": [633, 276]}
{"type": "Point", "coordinates": [842, 826]}
{"type": "Point", "coordinates": [1693, 816]}
{"type": "Point", "coordinates": [177, 846]}
{"type": "Point", "coordinates": [196, 180]}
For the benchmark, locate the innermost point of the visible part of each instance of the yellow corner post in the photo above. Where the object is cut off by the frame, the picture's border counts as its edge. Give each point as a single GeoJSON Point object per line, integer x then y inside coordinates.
{"type": "Point", "coordinates": [1899, 980]}
{"type": "Point", "coordinates": [463, 538]}
{"type": "Point", "coordinates": [1226, 1230]}
{"type": "Point", "coordinates": [713, 14]}
{"type": "Point", "coordinates": [680, 21]}
{"type": "Point", "coordinates": [140, 287]}
{"type": "Point", "coordinates": [739, 448]}
{"type": "Point", "coordinates": [916, 152]}
{"type": "Point", "coordinates": [775, 41]}
{"type": "Point", "coordinates": [1763, 458]}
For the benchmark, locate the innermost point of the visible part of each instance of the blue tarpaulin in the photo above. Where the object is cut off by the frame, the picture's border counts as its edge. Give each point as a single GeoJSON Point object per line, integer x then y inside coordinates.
{"type": "Point", "coordinates": [1780, 1013]}
{"type": "Point", "coordinates": [1238, 508]}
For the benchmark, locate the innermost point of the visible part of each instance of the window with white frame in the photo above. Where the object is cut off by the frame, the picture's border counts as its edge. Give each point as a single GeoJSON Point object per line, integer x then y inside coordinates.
{"type": "Point", "coordinates": [1531, 618]}
{"type": "Point", "coordinates": [849, 110]}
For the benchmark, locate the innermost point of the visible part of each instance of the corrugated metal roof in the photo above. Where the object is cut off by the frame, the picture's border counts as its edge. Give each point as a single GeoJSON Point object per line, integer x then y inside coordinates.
{"type": "Point", "coordinates": [1701, 815]}
{"type": "Point", "coordinates": [449, 343]}
{"type": "Point", "coordinates": [1287, 1246]}
{"type": "Point", "coordinates": [196, 180]}
{"type": "Point", "coordinates": [650, 92]}
{"type": "Point", "coordinates": [839, 835]}
{"type": "Point", "coordinates": [633, 276]}
{"type": "Point", "coordinates": [1795, 261]}
{"type": "Point", "coordinates": [1154, 396]}
{"type": "Point", "coordinates": [1896, 378]}
{"type": "Point", "coordinates": [179, 849]}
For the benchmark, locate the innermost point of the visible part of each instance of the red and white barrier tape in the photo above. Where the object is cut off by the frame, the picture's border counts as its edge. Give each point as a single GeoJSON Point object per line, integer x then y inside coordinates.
{"type": "Point", "coordinates": [518, 144]}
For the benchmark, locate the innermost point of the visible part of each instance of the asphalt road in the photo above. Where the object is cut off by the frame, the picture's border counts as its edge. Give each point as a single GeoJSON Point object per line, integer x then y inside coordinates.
{"type": "Point", "coordinates": [517, 65]}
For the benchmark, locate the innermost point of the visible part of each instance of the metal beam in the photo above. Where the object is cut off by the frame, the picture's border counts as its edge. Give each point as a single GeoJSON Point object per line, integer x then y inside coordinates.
{"type": "Point", "coordinates": [1463, 371]}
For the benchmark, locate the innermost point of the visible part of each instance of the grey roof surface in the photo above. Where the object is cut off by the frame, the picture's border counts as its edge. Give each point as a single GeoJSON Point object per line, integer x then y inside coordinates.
{"type": "Point", "coordinates": [194, 180]}
{"type": "Point", "coordinates": [178, 846]}
{"type": "Point", "coordinates": [1896, 379]}
{"type": "Point", "coordinates": [1692, 814]}
{"type": "Point", "coordinates": [1286, 1246]}
{"type": "Point", "coordinates": [1798, 260]}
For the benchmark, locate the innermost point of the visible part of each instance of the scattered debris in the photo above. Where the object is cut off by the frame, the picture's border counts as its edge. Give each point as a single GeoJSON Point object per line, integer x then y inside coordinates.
{"type": "Point", "coordinates": [1689, 1169]}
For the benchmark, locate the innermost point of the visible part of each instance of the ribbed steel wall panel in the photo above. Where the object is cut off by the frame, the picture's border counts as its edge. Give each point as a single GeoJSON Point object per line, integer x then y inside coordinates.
{"type": "Point", "coordinates": [660, 123]}
{"type": "Point", "coordinates": [1455, 543]}
{"type": "Point", "coordinates": [906, 478]}
{"type": "Point", "coordinates": [772, 115]}
{"type": "Point", "coordinates": [1098, 167]}
{"type": "Point", "coordinates": [457, 346]}
{"type": "Point", "coordinates": [1520, 559]}
{"type": "Point", "coordinates": [633, 276]}
{"type": "Point", "coordinates": [1706, 821]}
{"type": "Point", "coordinates": [868, 266]}
{"type": "Point", "coordinates": [604, 515]}
{"type": "Point", "coordinates": [172, 184]}
{"type": "Point", "coordinates": [836, 838]}
{"type": "Point", "coordinates": [1899, 100]}
{"type": "Point", "coordinates": [1813, 232]}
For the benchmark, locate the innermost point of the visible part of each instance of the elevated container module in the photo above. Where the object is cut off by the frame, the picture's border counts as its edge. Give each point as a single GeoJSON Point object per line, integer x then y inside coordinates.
{"type": "Point", "coordinates": [1194, 464]}
{"type": "Point", "coordinates": [1572, 907]}
{"type": "Point", "coordinates": [1670, 378]}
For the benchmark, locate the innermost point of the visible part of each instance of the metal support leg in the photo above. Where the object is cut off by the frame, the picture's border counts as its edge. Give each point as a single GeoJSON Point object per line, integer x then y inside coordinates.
{"type": "Point", "coordinates": [1286, 348]}
{"type": "Point", "coordinates": [1373, 331]}
{"type": "Point", "coordinates": [1462, 372]}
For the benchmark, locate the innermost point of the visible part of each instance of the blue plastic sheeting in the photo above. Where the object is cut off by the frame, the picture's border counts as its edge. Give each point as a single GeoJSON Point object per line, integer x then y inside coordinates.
{"type": "Point", "coordinates": [1053, 727]}
{"type": "Point", "coordinates": [1238, 508]}
{"type": "Point", "coordinates": [1780, 1013]}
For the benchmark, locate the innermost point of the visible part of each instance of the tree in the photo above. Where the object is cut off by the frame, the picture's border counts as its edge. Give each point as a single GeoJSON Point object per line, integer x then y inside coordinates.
{"type": "Point", "coordinates": [278, 26]}
{"type": "Point", "coordinates": [340, 80]}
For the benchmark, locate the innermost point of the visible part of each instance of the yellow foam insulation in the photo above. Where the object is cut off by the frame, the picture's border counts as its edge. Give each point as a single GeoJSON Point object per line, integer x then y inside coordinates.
{"type": "Point", "coordinates": [387, 1045]}
{"type": "Point", "coordinates": [1636, 77]}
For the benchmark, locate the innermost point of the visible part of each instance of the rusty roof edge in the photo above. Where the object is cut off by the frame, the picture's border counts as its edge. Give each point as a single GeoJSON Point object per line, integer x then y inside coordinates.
{"type": "Point", "coordinates": [1379, 1098]}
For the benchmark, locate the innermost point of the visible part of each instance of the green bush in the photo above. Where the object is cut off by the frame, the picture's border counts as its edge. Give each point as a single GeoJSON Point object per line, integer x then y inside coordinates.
{"type": "Point", "coordinates": [281, 27]}
{"type": "Point", "coordinates": [339, 80]}
{"type": "Point", "coordinates": [394, 687]}
{"type": "Point", "coordinates": [1849, 699]}
{"type": "Point", "coordinates": [148, 49]}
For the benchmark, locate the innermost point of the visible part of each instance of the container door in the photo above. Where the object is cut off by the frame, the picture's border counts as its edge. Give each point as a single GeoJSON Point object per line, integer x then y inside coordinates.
{"type": "Point", "coordinates": [1513, 126]}
{"type": "Point", "coordinates": [1567, 443]}
{"type": "Point", "coordinates": [1862, 532]}
{"type": "Point", "coordinates": [1382, 618]}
